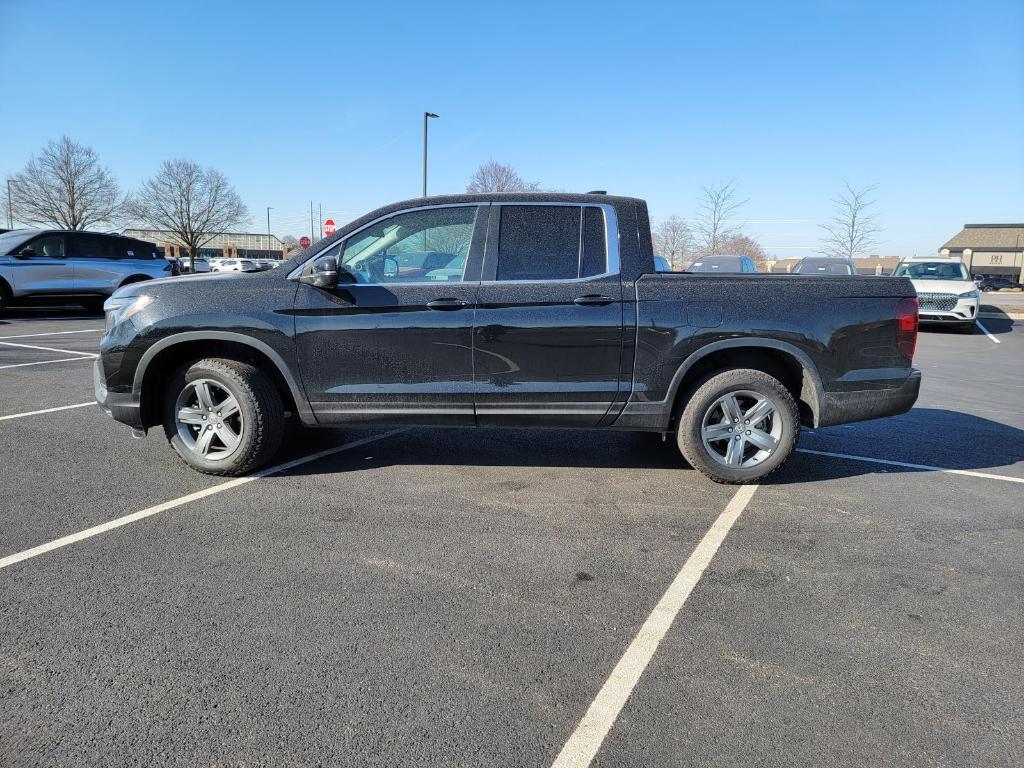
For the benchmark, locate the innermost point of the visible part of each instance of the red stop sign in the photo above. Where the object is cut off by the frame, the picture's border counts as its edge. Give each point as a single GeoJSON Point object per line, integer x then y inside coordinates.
{"type": "Point", "coordinates": [329, 227]}
{"type": "Point", "coordinates": [305, 242]}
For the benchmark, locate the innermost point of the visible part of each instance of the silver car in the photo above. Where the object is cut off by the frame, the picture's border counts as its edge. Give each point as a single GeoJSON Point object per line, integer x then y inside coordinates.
{"type": "Point", "coordinates": [56, 266]}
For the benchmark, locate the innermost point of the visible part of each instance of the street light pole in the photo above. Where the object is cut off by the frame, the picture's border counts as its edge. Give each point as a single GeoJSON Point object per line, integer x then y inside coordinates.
{"type": "Point", "coordinates": [426, 116]}
{"type": "Point", "coordinates": [269, 209]}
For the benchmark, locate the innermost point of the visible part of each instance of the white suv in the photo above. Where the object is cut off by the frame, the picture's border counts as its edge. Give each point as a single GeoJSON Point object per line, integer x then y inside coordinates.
{"type": "Point", "coordinates": [945, 291]}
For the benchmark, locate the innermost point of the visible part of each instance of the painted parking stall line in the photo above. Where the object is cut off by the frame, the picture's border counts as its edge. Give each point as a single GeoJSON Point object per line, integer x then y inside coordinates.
{"type": "Point", "coordinates": [584, 743]}
{"type": "Point", "coordinates": [47, 410]}
{"type": "Point", "coordinates": [909, 465]}
{"type": "Point", "coordinates": [111, 525]}
{"type": "Point", "coordinates": [986, 332]}
{"type": "Point", "coordinates": [47, 349]}
{"type": "Point", "coordinates": [46, 362]}
{"type": "Point", "coordinates": [49, 333]}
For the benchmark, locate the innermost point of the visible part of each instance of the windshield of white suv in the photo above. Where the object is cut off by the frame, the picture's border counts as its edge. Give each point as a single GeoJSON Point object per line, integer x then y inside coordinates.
{"type": "Point", "coordinates": [933, 270]}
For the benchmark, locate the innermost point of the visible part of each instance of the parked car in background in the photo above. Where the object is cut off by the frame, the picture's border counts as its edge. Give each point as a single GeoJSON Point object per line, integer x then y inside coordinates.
{"type": "Point", "coordinates": [60, 266]}
{"type": "Point", "coordinates": [536, 309]}
{"type": "Point", "coordinates": [995, 283]}
{"type": "Point", "coordinates": [945, 291]}
{"type": "Point", "coordinates": [723, 264]}
{"type": "Point", "coordinates": [238, 265]}
{"type": "Point", "coordinates": [661, 264]}
{"type": "Point", "coordinates": [201, 265]}
{"type": "Point", "coordinates": [817, 265]}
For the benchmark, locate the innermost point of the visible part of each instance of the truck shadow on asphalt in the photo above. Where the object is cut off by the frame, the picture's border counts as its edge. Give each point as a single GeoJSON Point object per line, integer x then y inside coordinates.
{"type": "Point", "coordinates": [929, 436]}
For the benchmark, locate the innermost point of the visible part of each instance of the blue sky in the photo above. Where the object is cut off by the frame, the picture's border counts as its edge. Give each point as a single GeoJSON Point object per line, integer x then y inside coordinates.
{"type": "Point", "coordinates": [324, 101]}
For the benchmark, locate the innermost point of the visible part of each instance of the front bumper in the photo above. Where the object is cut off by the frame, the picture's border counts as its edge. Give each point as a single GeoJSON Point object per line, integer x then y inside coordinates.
{"type": "Point", "coordinates": [965, 311]}
{"type": "Point", "coordinates": [864, 404]}
{"type": "Point", "coordinates": [125, 408]}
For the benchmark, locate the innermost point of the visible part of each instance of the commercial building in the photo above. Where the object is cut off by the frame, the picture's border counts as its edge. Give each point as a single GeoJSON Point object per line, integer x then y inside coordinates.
{"type": "Point", "coordinates": [233, 245]}
{"type": "Point", "coordinates": [990, 250]}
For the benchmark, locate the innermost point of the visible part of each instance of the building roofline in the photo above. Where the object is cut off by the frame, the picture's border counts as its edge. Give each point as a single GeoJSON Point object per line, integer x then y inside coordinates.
{"type": "Point", "coordinates": [993, 226]}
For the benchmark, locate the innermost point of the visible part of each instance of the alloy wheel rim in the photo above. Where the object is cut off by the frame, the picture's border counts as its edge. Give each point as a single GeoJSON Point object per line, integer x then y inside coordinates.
{"type": "Point", "coordinates": [742, 429]}
{"type": "Point", "coordinates": [208, 420]}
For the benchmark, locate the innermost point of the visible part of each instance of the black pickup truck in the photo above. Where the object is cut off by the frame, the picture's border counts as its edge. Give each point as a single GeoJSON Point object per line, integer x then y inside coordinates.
{"type": "Point", "coordinates": [506, 310]}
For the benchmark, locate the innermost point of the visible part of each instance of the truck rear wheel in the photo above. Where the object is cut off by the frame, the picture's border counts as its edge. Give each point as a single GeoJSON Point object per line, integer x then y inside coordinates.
{"type": "Point", "coordinates": [223, 417]}
{"type": "Point", "coordinates": [738, 426]}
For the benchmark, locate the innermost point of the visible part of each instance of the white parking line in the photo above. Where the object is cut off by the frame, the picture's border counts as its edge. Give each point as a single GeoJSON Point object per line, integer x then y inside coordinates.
{"type": "Point", "coordinates": [47, 410]}
{"type": "Point", "coordinates": [50, 333]}
{"type": "Point", "coordinates": [983, 328]}
{"type": "Point", "coordinates": [47, 349]}
{"type": "Point", "coordinates": [44, 362]}
{"type": "Point", "coordinates": [96, 530]}
{"type": "Point", "coordinates": [586, 740]}
{"type": "Point", "coordinates": [908, 465]}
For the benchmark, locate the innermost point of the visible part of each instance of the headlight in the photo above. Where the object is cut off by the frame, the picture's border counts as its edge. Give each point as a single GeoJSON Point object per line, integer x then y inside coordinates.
{"type": "Point", "coordinates": [970, 294]}
{"type": "Point", "coordinates": [121, 309]}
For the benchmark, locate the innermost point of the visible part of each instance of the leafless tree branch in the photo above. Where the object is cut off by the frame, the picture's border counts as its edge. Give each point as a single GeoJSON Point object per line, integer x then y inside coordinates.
{"type": "Point", "coordinates": [497, 177]}
{"type": "Point", "coordinates": [66, 187]}
{"type": "Point", "coordinates": [715, 217]}
{"type": "Point", "coordinates": [853, 230]}
{"type": "Point", "coordinates": [194, 203]}
{"type": "Point", "coordinates": [674, 241]}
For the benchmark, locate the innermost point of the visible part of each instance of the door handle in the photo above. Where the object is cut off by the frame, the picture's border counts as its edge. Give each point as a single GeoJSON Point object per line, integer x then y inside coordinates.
{"type": "Point", "coordinates": [446, 304]}
{"type": "Point", "coordinates": [592, 301]}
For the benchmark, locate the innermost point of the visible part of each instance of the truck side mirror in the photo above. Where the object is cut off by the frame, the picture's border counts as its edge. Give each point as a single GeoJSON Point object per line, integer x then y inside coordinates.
{"type": "Point", "coordinates": [323, 273]}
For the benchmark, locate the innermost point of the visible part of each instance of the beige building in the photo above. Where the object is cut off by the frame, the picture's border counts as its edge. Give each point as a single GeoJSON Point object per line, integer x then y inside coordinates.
{"type": "Point", "coordinates": [227, 244]}
{"type": "Point", "coordinates": [990, 249]}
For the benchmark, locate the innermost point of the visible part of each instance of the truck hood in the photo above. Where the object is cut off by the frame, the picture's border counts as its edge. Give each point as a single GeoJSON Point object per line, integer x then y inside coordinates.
{"type": "Point", "coordinates": [943, 286]}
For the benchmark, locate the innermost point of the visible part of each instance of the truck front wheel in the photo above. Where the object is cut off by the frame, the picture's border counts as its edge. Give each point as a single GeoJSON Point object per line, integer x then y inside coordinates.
{"type": "Point", "coordinates": [738, 426]}
{"type": "Point", "coordinates": [223, 417]}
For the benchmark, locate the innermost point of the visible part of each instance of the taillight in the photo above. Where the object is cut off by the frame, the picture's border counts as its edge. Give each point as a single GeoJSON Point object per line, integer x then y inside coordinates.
{"type": "Point", "coordinates": [906, 327]}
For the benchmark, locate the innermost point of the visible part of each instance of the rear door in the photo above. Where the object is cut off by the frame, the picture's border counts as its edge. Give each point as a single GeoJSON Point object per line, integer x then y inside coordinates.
{"type": "Point", "coordinates": [394, 345]}
{"type": "Point", "coordinates": [98, 268]}
{"type": "Point", "coordinates": [548, 329]}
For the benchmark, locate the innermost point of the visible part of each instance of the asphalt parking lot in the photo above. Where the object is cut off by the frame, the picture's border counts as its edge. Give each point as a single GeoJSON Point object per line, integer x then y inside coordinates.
{"type": "Point", "coordinates": [475, 597]}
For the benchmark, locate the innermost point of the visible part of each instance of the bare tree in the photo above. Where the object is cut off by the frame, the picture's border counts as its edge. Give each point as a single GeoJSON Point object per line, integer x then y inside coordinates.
{"type": "Point", "coordinates": [498, 177]}
{"type": "Point", "coordinates": [291, 245]}
{"type": "Point", "coordinates": [853, 230]}
{"type": "Point", "coordinates": [194, 203]}
{"type": "Point", "coordinates": [744, 245]}
{"type": "Point", "coordinates": [673, 240]}
{"type": "Point", "coordinates": [65, 187]}
{"type": "Point", "coordinates": [715, 211]}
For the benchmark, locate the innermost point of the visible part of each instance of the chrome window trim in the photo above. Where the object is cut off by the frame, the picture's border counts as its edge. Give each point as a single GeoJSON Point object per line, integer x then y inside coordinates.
{"type": "Point", "coordinates": [612, 265]}
{"type": "Point", "coordinates": [294, 274]}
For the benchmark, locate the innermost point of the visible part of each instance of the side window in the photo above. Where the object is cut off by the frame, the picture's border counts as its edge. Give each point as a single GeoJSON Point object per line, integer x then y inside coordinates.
{"type": "Point", "coordinates": [594, 260]}
{"type": "Point", "coordinates": [539, 242]}
{"type": "Point", "coordinates": [93, 247]}
{"type": "Point", "coordinates": [135, 249]}
{"type": "Point", "coordinates": [48, 246]}
{"type": "Point", "coordinates": [430, 245]}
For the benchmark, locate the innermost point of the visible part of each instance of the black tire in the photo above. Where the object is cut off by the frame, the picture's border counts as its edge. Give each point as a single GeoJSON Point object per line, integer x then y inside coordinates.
{"type": "Point", "coordinates": [260, 411]}
{"type": "Point", "coordinates": [703, 399]}
{"type": "Point", "coordinates": [5, 296]}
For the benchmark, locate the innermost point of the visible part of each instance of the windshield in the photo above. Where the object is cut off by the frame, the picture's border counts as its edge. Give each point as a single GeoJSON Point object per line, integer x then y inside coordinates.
{"type": "Point", "coordinates": [9, 241]}
{"type": "Point", "coordinates": [823, 267]}
{"type": "Point", "coordinates": [717, 265]}
{"type": "Point", "coordinates": [933, 270]}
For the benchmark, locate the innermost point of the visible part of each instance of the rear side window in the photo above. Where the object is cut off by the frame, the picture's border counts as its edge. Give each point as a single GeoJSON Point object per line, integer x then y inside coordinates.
{"type": "Point", "coordinates": [95, 247]}
{"type": "Point", "coordinates": [539, 242]}
{"type": "Point", "coordinates": [136, 249]}
{"type": "Point", "coordinates": [550, 242]}
{"type": "Point", "coordinates": [594, 260]}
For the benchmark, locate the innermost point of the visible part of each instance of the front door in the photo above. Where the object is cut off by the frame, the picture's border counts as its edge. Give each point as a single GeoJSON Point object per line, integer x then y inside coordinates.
{"type": "Point", "coordinates": [43, 268]}
{"type": "Point", "coordinates": [548, 326]}
{"type": "Point", "coordinates": [392, 342]}
{"type": "Point", "coordinates": [97, 263]}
